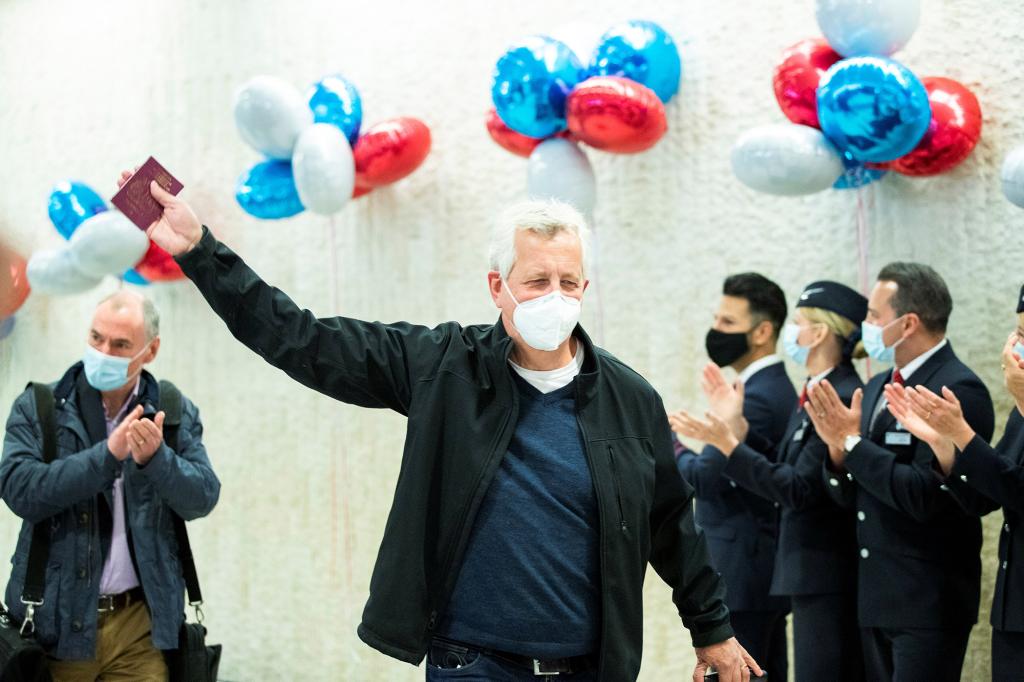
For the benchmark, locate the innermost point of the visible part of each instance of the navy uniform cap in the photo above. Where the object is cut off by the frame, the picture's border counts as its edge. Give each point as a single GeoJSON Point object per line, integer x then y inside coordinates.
{"type": "Point", "coordinates": [835, 297]}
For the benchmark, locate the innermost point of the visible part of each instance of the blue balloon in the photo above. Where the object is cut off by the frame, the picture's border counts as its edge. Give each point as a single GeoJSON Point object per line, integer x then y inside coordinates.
{"type": "Point", "coordinates": [335, 100]}
{"type": "Point", "coordinates": [873, 108]}
{"type": "Point", "coordinates": [267, 190]}
{"type": "Point", "coordinates": [856, 174]}
{"type": "Point", "coordinates": [643, 52]}
{"type": "Point", "coordinates": [71, 203]}
{"type": "Point", "coordinates": [133, 277]}
{"type": "Point", "coordinates": [531, 81]}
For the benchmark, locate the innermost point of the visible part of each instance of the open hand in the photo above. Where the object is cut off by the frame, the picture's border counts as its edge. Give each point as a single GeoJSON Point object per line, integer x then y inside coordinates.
{"type": "Point", "coordinates": [117, 441]}
{"type": "Point", "coordinates": [714, 431]}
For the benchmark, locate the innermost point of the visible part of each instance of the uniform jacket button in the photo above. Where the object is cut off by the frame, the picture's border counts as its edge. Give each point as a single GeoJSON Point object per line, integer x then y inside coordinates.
{"type": "Point", "coordinates": [864, 553]}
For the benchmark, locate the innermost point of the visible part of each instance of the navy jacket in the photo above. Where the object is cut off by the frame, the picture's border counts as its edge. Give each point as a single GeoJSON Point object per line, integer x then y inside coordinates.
{"type": "Point", "coordinates": [816, 536]}
{"type": "Point", "coordinates": [919, 564]}
{"type": "Point", "coordinates": [999, 474]}
{"type": "Point", "coordinates": [66, 494]}
{"type": "Point", "coordinates": [742, 527]}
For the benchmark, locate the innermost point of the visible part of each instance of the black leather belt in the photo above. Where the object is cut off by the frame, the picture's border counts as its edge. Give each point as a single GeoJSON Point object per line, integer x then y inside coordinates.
{"type": "Point", "coordinates": [114, 602]}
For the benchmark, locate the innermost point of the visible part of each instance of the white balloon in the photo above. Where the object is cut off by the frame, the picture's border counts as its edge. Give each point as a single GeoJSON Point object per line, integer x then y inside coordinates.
{"type": "Point", "coordinates": [868, 27]}
{"type": "Point", "coordinates": [786, 159]}
{"type": "Point", "coordinates": [559, 169]}
{"type": "Point", "coordinates": [270, 115]}
{"type": "Point", "coordinates": [324, 170]}
{"type": "Point", "coordinates": [55, 272]}
{"type": "Point", "coordinates": [1013, 176]}
{"type": "Point", "coordinates": [107, 244]}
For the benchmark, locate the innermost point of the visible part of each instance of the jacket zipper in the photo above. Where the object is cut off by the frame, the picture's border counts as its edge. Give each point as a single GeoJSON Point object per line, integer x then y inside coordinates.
{"type": "Point", "coordinates": [618, 493]}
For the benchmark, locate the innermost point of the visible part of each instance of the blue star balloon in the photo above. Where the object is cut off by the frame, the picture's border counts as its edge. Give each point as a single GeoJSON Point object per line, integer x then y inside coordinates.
{"type": "Point", "coordinates": [643, 52]}
{"type": "Point", "coordinates": [531, 81]}
{"type": "Point", "coordinates": [71, 203]}
{"type": "Point", "coordinates": [267, 190]}
{"type": "Point", "coordinates": [873, 108]}
{"type": "Point", "coordinates": [335, 100]}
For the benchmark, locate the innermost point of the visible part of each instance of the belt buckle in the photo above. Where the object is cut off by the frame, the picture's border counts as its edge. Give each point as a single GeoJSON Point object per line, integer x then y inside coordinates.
{"type": "Point", "coordinates": [545, 673]}
{"type": "Point", "coordinates": [109, 598]}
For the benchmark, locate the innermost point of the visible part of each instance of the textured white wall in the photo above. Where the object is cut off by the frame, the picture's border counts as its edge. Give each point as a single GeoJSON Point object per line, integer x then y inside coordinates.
{"type": "Point", "coordinates": [90, 88]}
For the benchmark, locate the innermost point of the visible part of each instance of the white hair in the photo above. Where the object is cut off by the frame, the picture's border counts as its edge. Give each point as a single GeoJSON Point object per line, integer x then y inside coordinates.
{"type": "Point", "coordinates": [546, 218]}
{"type": "Point", "coordinates": [123, 298]}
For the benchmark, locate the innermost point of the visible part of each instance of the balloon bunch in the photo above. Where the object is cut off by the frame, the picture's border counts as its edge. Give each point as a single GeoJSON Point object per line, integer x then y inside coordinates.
{"type": "Point", "coordinates": [316, 157]}
{"type": "Point", "coordinates": [857, 112]}
{"type": "Point", "coordinates": [545, 100]}
{"type": "Point", "coordinates": [101, 242]}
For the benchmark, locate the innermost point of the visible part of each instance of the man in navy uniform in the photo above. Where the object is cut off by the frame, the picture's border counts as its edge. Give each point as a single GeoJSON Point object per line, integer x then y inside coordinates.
{"type": "Point", "coordinates": [742, 527]}
{"type": "Point", "coordinates": [919, 566]}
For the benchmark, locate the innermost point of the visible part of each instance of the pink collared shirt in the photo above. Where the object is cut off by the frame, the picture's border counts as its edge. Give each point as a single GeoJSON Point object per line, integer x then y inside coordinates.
{"type": "Point", "coordinates": [118, 572]}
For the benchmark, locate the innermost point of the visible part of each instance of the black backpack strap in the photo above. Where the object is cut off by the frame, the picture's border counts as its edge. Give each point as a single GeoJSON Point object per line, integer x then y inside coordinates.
{"type": "Point", "coordinates": [39, 549]}
{"type": "Point", "coordinates": [170, 403]}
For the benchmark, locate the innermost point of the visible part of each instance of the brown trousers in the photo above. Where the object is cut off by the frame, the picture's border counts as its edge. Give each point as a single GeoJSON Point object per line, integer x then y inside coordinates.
{"type": "Point", "coordinates": [124, 651]}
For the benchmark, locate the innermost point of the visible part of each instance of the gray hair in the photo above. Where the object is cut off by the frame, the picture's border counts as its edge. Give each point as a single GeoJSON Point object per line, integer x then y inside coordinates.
{"type": "Point", "coordinates": [546, 218]}
{"type": "Point", "coordinates": [150, 316]}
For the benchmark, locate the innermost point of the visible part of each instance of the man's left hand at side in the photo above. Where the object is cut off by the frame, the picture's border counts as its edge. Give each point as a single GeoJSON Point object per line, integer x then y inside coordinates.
{"type": "Point", "coordinates": [145, 437]}
{"type": "Point", "coordinates": [729, 658]}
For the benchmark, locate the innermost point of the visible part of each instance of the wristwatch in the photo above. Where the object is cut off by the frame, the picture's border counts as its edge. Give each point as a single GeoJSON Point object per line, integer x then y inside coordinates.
{"type": "Point", "coordinates": [850, 442]}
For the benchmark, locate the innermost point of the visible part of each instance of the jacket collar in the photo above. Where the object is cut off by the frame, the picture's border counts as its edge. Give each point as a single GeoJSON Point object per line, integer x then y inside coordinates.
{"type": "Point", "coordinates": [74, 387]}
{"type": "Point", "coordinates": [589, 372]}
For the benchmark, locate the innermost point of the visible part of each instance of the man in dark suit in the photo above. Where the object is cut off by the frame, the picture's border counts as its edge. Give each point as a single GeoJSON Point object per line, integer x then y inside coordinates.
{"type": "Point", "coordinates": [919, 567]}
{"type": "Point", "coordinates": [742, 527]}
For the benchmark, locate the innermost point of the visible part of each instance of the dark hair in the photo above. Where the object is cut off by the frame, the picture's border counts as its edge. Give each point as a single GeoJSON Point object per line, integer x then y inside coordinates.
{"type": "Point", "coordinates": [920, 290]}
{"type": "Point", "coordinates": [765, 297]}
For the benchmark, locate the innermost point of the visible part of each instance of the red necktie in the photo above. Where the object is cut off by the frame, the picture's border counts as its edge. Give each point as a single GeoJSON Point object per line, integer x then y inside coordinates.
{"type": "Point", "coordinates": [897, 378]}
{"type": "Point", "coordinates": [803, 396]}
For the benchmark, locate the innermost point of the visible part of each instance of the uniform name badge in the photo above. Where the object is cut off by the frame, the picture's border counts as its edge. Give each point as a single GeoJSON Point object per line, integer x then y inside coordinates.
{"type": "Point", "coordinates": [897, 438]}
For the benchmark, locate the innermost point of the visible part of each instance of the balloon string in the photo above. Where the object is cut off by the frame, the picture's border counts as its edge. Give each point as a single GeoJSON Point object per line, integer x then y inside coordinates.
{"type": "Point", "coordinates": [595, 283]}
{"type": "Point", "coordinates": [340, 457]}
{"type": "Point", "coordinates": [862, 253]}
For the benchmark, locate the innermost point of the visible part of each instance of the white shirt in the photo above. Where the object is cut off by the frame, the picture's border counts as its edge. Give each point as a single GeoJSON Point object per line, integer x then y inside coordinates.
{"type": "Point", "coordinates": [549, 380]}
{"type": "Point", "coordinates": [914, 364]}
{"type": "Point", "coordinates": [757, 365]}
{"type": "Point", "coordinates": [816, 379]}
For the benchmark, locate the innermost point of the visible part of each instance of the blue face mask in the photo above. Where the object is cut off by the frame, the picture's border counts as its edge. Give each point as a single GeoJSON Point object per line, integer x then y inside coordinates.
{"type": "Point", "coordinates": [1018, 348]}
{"type": "Point", "coordinates": [792, 347]}
{"type": "Point", "coordinates": [106, 372]}
{"type": "Point", "coordinates": [874, 346]}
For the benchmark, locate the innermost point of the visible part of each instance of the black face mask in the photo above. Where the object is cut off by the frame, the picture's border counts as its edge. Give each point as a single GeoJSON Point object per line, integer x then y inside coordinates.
{"type": "Point", "coordinates": [724, 348]}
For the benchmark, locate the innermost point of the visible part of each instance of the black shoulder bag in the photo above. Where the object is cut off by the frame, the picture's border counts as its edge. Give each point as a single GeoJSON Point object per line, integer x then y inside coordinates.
{"type": "Point", "coordinates": [22, 659]}
{"type": "Point", "coordinates": [193, 660]}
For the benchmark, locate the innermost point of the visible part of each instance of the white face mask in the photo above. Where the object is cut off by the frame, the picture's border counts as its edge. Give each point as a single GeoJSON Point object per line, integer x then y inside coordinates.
{"type": "Point", "coordinates": [546, 321]}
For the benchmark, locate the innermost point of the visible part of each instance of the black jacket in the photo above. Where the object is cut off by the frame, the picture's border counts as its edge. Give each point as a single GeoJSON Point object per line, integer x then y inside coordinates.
{"type": "Point", "coordinates": [919, 564]}
{"type": "Point", "coordinates": [817, 539]}
{"type": "Point", "coordinates": [455, 386]}
{"type": "Point", "coordinates": [742, 527]}
{"type": "Point", "coordinates": [999, 474]}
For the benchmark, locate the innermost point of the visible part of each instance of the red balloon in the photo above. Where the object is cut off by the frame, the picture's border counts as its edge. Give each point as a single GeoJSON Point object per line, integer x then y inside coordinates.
{"type": "Point", "coordinates": [615, 114]}
{"type": "Point", "coordinates": [158, 265]}
{"type": "Point", "coordinates": [954, 130]}
{"type": "Point", "coordinates": [359, 191]}
{"type": "Point", "coordinates": [517, 143]}
{"type": "Point", "coordinates": [13, 282]}
{"type": "Point", "coordinates": [390, 150]}
{"type": "Point", "coordinates": [797, 76]}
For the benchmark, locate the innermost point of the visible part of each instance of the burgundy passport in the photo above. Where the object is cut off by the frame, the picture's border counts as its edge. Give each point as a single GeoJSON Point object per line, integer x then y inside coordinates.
{"type": "Point", "coordinates": [134, 199]}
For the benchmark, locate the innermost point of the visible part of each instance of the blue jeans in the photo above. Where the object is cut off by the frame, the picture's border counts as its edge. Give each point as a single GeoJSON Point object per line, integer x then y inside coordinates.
{"type": "Point", "coordinates": [446, 662]}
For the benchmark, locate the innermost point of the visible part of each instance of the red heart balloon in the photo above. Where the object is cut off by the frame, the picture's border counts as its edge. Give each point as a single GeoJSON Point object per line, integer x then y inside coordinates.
{"type": "Point", "coordinates": [797, 76]}
{"type": "Point", "coordinates": [615, 114]}
{"type": "Point", "coordinates": [954, 130]}
{"type": "Point", "coordinates": [158, 265]}
{"type": "Point", "coordinates": [14, 287]}
{"type": "Point", "coordinates": [358, 191]}
{"type": "Point", "coordinates": [390, 150]}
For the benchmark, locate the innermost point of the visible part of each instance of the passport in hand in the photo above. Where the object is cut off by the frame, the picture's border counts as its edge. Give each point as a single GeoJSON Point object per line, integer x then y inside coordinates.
{"type": "Point", "coordinates": [134, 198]}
